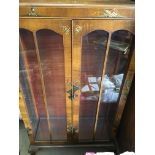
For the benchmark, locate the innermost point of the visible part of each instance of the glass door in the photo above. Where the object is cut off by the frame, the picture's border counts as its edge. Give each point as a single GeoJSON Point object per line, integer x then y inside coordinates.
{"type": "Point", "coordinates": [45, 74]}
{"type": "Point", "coordinates": [102, 51]}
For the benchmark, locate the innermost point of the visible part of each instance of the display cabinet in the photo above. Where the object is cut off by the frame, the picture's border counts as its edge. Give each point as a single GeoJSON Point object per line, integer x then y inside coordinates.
{"type": "Point", "coordinates": [76, 63]}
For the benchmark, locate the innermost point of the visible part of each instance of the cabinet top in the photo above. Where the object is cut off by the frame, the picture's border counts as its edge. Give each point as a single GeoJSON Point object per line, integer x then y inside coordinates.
{"type": "Point", "coordinates": [74, 3]}
{"type": "Point", "coordinates": [74, 9]}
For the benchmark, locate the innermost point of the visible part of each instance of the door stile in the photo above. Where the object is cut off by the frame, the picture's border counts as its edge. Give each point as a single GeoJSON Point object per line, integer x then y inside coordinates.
{"type": "Point", "coordinates": [23, 110]}
{"type": "Point", "coordinates": [101, 88]}
{"type": "Point", "coordinates": [125, 91]}
{"type": "Point", "coordinates": [72, 70]}
{"type": "Point", "coordinates": [23, 55]}
{"type": "Point", "coordinates": [76, 74]}
{"type": "Point", "coordinates": [67, 33]}
{"type": "Point", "coordinates": [25, 115]}
{"type": "Point", "coordinates": [42, 82]}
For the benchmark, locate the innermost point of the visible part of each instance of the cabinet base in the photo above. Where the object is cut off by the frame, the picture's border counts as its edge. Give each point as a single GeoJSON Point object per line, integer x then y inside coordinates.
{"type": "Point", "coordinates": [108, 147]}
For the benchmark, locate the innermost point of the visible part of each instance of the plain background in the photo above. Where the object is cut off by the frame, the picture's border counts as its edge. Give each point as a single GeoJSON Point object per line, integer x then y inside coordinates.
{"type": "Point", "coordinates": [145, 77]}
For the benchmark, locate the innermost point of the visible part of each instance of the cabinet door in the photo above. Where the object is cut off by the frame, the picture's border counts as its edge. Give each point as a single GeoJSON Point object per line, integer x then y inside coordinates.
{"type": "Point", "coordinates": [102, 61]}
{"type": "Point", "coordinates": [45, 70]}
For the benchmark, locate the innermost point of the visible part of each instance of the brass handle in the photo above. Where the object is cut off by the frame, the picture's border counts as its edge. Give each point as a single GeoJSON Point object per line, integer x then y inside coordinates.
{"type": "Point", "coordinates": [32, 12]}
{"type": "Point", "coordinates": [78, 29]}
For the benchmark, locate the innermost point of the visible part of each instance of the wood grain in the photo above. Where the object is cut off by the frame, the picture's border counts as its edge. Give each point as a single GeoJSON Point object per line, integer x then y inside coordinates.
{"type": "Point", "coordinates": [76, 13]}
{"type": "Point", "coordinates": [124, 94]}
{"type": "Point", "coordinates": [126, 130]}
{"type": "Point", "coordinates": [62, 19]}
{"type": "Point", "coordinates": [23, 111]}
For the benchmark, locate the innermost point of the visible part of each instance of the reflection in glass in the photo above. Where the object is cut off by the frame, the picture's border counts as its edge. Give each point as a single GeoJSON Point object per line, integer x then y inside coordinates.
{"type": "Point", "coordinates": [42, 130]}
{"type": "Point", "coordinates": [117, 63]}
{"type": "Point", "coordinates": [92, 58]}
{"type": "Point", "coordinates": [32, 66]}
{"type": "Point", "coordinates": [51, 53]}
{"type": "Point", "coordinates": [27, 94]}
{"type": "Point", "coordinates": [31, 82]}
{"type": "Point", "coordinates": [110, 85]}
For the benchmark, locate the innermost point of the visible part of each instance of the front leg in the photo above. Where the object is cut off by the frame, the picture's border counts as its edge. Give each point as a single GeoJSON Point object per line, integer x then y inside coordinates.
{"type": "Point", "coordinates": [33, 149]}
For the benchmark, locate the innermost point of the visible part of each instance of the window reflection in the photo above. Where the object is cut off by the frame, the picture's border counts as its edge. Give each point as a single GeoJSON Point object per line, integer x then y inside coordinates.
{"type": "Point", "coordinates": [117, 61]}
{"type": "Point", "coordinates": [110, 86]}
{"type": "Point", "coordinates": [92, 58]}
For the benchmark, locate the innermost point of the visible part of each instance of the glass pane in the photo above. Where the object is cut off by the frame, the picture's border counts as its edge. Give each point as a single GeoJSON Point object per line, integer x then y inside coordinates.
{"type": "Point", "coordinates": [93, 54]}
{"type": "Point", "coordinates": [42, 130]}
{"type": "Point", "coordinates": [117, 63]}
{"type": "Point", "coordinates": [51, 52]}
{"type": "Point", "coordinates": [30, 70]}
{"type": "Point", "coordinates": [27, 94]}
{"type": "Point", "coordinates": [58, 128]}
{"type": "Point", "coordinates": [33, 69]}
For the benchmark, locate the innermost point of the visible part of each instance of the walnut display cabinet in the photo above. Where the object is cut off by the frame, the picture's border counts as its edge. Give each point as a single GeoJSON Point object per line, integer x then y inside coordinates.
{"type": "Point", "coordinates": [76, 68]}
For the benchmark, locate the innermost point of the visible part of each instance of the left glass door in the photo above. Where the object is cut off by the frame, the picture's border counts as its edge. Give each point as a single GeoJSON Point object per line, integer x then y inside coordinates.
{"type": "Point", "coordinates": [45, 76]}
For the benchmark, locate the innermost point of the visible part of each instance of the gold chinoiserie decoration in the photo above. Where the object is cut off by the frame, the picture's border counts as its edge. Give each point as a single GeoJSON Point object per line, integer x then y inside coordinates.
{"type": "Point", "coordinates": [72, 91]}
{"type": "Point", "coordinates": [66, 29]}
{"type": "Point", "coordinates": [78, 29]}
{"type": "Point", "coordinates": [32, 12]}
{"type": "Point", "coordinates": [109, 13]}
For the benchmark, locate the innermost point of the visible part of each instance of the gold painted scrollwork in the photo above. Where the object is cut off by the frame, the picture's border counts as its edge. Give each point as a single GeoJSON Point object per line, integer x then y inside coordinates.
{"type": "Point", "coordinates": [109, 13]}
{"type": "Point", "coordinates": [78, 29]}
{"type": "Point", "coordinates": [32, 12]}
{"type": "Point", "coordinates": [72, 91]}
{"type": "Point", "coordinates": [66, 29]}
